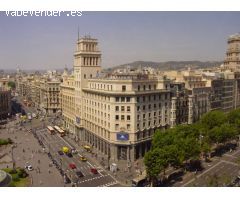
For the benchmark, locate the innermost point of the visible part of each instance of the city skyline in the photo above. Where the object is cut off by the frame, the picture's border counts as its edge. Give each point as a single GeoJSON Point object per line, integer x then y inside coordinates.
{"type": "Point", "coordinates": [124, 37]}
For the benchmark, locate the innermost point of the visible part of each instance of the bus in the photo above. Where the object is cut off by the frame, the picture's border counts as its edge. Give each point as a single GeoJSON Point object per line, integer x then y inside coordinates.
{"type": "Point", "coordinates": [50, 129]}
{"type": "Point", "coordinates": [60, 131]}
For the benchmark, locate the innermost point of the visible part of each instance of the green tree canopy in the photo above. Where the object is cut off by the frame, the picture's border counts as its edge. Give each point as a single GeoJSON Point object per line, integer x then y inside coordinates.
{"type": "Point", "coordinates": [234, 116]}
{"type": "Point", "coordinates": [213, 119]}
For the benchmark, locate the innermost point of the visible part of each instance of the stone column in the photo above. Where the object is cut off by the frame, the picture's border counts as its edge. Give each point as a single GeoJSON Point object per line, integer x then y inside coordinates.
{"type": "Point", "coordinates": [173, 112]}
{"type": "Point", "coordinates": [190, 109]}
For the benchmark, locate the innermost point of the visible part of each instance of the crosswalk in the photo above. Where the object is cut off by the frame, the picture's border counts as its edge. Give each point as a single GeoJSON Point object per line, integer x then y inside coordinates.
{"type": "Point", "coordinates": [109, 184]}
{"type": "Point", "coordinates": [91, 179]}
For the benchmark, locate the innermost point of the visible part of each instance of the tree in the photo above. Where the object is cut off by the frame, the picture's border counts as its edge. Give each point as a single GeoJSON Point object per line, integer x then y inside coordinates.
{"type": "Point", "coordinates": [223, 133]}
{"type": "Point", "coordinates": [234, 116]}
{"type": "Point", "coordinates": [162, 138]}
{"type": "Point", "coordinates": [213, 119]}
{"type": "Point", "coordinates": [156, 162]}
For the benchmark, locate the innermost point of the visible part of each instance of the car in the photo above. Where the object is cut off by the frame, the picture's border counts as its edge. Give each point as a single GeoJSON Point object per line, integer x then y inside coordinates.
{"type": "Point", "coordinates": [60, 153]}
{"type": "Point", "coordinates": [74, 151]}
{"type": "Point", "coordinates": [69, 155]}
{"type": "Point", "coordinates": [29, 167]}
{"type": "Point", "coordinates": [82, 158]}
{"type": "Point", "coordinates": [72, 166]}
{"type": "Point", "coordinates": [79, 174]}
{"type": "Point", "coordinates": [94, 170]}
{"type": "Point", "coordinates": [66, 179]}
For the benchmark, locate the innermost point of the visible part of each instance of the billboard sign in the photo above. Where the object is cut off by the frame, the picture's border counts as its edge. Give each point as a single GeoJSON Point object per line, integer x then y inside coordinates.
{"type": "Point", "coordinates": [122, 136]}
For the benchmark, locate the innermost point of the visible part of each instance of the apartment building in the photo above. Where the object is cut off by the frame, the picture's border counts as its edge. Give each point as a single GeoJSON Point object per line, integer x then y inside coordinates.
{"type": "Point", "coordinates": [50, 95]}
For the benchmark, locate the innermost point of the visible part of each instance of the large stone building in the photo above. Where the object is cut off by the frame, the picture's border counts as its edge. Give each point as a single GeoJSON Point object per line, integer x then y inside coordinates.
{"type": "Point", "coordinates": [117, 113]}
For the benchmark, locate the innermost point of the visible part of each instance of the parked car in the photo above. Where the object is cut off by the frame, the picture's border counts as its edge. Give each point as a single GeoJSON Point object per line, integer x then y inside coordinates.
{"type": "Point", "coordinates": [74, 151]}
{"type": "Point", "coordinates": [60, 153]}
{"type": "Point", "coordinates": [82, 158]}
{"type": "Point", "coordinates": [72, 166]}
{"type": "Point", "coordinates": [66, 179]}
{"type": "Point", "coordinates": [94, 170]}
{"type": "Point", "coordinates": [79, 174]}
{"type": "Point", "coordinates": [69, 155]}
{"type": "Point", "coordinates": [29, 167]}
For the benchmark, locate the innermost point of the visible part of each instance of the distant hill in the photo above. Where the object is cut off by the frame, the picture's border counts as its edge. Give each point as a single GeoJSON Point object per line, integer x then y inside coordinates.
{"type": "Point", "coordinates": [170, 65]}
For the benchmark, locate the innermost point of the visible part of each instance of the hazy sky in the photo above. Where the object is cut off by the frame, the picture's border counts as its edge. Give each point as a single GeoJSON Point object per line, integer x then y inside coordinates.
{"type": "Point", "coordinates": [49, 42]}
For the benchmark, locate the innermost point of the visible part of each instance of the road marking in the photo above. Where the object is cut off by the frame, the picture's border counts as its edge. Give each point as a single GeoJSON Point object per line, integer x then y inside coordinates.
{"type": "Point", "coordinates": [91, 179]}
{"type": "Point", "coordinates": [201, 174]}
{"type": "Point", "coordinates": [232, 163]}
{"type": "Point", "coordinates": [230, 156]}
{"type": "Point", "coordinates": [109, 184]}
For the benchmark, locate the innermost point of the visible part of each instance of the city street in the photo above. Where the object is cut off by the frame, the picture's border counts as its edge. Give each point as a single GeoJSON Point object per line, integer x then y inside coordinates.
{"type": "Point", "coordinates": [226, 168]}
{"type": "Point", "coordinates": [54, 143]}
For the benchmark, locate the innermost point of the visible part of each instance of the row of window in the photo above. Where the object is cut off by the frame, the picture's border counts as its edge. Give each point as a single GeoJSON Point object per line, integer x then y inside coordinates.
{"type": "Point", "coordinates": [97, 97]}
{"type": "Point", "coordinates": [117, 108]}
{"type": "Point", "coordinates": [150, 115]}
{"type": "Point", "coordinates": [153, 97]}
{"type": "Point", "coordinates": [98, 105]}
{"type": "Point", "coordinates": [100, 86]}
{"type": "Point", "coordinates": [144, 107]}
{"type": "Point", "coordinates": [123, 99]}
{"type": "Point", "coordinates": [53, 89]}
{"type": "Point", "coordinates": [150, 124]}
{"type": "Point", "coordinates": [117, 117]}
{"type": "Point", "coordinates": [149, 87]}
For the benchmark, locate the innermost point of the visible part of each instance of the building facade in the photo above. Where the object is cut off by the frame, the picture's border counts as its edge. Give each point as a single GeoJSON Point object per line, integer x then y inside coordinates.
{"type": "Point", "coordinates": [5, 103]}
{"type": "Point", "coordinates": [68, 103]}
{"type": "Point", "coordinates": [50, 95]}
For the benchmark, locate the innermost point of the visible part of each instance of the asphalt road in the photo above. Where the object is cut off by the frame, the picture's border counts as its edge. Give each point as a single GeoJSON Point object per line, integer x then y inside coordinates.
{"type": "Point", "coordinates": [55, 142]}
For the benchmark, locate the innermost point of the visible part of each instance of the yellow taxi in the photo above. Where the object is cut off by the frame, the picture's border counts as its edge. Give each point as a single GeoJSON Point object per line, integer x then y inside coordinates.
{"type": "Point", "coordinates": [82, 158]}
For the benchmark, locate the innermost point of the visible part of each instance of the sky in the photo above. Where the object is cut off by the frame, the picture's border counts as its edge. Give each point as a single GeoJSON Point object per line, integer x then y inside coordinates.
{"type": "Point", "coordinates": [49, 42]}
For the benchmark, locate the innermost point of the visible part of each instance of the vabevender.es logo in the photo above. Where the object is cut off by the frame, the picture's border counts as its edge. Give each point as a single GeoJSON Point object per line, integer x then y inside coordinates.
{"type": "Point", "coordinates": [43, 13]}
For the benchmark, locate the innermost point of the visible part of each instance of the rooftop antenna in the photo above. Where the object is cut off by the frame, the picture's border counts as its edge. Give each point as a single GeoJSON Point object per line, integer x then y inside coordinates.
{"type": "Point", "coordinates": [78, 32]}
